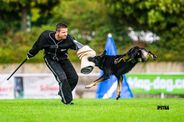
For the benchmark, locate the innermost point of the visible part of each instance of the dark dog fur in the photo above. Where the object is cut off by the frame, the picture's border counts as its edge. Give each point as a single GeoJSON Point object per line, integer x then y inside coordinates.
{"type": "Point", "coordinates": [119, 64]}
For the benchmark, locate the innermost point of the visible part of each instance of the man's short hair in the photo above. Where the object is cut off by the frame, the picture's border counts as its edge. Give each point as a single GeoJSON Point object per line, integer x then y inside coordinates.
{"type": "Point", "coordinates": [60, 25]}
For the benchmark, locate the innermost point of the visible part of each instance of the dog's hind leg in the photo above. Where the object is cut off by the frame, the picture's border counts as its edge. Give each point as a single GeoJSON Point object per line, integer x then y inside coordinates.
{"type": "Point", "coordinates": [119, 87]}
{"type": "Point", "coordinates": [103, 77]}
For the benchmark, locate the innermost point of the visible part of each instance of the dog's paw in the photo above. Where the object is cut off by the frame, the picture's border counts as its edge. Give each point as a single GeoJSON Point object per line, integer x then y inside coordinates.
{"type": "Point", "coordinates": [89, 86]}
{"type": "Point", "coordinates": [117, 97]}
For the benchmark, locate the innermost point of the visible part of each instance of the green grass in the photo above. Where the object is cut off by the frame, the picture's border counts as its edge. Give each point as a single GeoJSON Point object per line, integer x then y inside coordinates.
{"type": "Point", "coordinates": [92, 110]}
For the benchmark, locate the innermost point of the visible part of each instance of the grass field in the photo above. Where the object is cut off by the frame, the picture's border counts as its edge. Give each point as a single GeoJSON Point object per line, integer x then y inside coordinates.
{"type": "Point", "coordinates": [92, 110]}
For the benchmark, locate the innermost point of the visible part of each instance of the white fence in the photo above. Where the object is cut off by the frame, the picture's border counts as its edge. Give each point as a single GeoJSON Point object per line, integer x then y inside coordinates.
{"type": "Point", "coordinates": [31, 86]}
{"type": "Point", "coordinates": [45, 86]}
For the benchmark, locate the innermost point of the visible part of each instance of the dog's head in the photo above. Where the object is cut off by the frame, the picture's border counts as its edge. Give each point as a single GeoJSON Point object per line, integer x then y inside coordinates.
{"type": "Point", "coordinates": [140, 54]}
{"type": "Point", "coordinates": [98, 60]}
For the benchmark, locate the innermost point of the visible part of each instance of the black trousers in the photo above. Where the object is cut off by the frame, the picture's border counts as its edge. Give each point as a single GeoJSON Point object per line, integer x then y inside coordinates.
{"type": "Point", "coordinates": [66, 76]}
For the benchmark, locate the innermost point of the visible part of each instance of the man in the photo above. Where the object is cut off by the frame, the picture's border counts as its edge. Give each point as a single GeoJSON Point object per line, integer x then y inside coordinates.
{"type": "Point", "coordinates": [55, 45]}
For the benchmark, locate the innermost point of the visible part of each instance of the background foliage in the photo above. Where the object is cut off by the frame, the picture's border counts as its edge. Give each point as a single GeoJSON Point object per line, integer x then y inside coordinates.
{"type": "Point", "coordinates": [89, 22]}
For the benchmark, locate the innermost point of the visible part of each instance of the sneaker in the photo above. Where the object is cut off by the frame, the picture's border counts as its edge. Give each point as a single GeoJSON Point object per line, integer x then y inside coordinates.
{"type": "Point", "coordinates": [71, 103]}
{"type": "Point", "coordinates": [59, 93]}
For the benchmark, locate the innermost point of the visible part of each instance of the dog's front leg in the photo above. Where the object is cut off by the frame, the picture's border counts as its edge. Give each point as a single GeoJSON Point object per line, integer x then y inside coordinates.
{"type": "Point", "coordinates": [95, 82]}
{"type": "Point", "coordinates": [119, 87]}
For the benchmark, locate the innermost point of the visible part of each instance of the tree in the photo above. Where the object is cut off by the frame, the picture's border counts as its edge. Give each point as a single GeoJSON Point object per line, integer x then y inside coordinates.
{"type": "Point", "coordinates": [24, 10]}
{"type": "Point", "coordinates": [88, 20]}
{"type": "Point", "coordinates": [163, 17]}
{"type": "Point", "coordinates": [157, 15]}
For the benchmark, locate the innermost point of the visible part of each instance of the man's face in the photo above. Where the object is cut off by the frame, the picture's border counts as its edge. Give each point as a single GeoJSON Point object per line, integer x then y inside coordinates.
{"type": "Point", "coordinates": [62, 33]}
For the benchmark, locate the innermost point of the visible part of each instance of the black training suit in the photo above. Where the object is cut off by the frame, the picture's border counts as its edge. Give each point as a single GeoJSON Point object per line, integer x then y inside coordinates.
{"type": "Point", "coordinates": [55, 56]}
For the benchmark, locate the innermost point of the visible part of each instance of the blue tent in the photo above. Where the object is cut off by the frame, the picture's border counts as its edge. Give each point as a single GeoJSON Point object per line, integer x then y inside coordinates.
{"type": "Point", "coordinates": [107, 89]}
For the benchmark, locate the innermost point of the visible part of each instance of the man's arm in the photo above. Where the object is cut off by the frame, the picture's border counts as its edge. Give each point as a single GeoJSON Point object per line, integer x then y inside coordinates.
{"type": "Point", "coordinates": [77, 45]}
{"type": "Point", "coordinates": [38, 45]}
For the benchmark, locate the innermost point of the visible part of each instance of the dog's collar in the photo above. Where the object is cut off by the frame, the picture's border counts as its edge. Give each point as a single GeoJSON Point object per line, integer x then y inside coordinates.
{"type": "Point", "coordinates": [132, 60]}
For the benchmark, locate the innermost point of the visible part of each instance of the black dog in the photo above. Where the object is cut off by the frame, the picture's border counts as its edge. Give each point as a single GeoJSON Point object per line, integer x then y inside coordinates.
{"type": "Point", "coordinates": [119, 64]}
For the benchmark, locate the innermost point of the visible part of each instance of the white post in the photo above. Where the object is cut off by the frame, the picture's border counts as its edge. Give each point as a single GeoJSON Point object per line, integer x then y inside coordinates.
{"type": "Point", "coordinates": [162, 95]}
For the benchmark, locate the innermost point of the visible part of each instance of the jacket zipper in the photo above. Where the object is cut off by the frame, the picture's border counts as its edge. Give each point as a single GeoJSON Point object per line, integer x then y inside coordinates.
{"type": "Point", "coordinates": [57, 45]}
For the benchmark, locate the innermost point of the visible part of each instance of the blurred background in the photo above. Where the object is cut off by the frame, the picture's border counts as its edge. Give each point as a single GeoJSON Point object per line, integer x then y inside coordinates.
{"type": "Point", "coordinates": [156, 25]}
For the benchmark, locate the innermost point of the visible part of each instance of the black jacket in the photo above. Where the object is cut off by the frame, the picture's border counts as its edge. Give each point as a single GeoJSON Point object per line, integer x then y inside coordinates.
{"type": "Point", "coordinates": [57, 50]}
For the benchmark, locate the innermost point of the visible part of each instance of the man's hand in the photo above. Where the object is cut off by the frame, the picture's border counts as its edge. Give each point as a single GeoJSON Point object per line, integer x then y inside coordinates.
{"type": "Point", "coordinates": [29, 55]}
